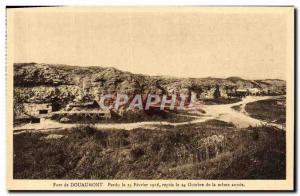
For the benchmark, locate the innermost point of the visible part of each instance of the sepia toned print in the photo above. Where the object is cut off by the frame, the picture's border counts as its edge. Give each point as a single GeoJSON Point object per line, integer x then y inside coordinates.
{"type": "Point", "coordinates": [150, 98]}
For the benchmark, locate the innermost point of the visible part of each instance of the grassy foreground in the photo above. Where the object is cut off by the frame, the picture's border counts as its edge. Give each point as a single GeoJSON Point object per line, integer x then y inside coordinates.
{"type": "Point", "coordinates": [166, 153]}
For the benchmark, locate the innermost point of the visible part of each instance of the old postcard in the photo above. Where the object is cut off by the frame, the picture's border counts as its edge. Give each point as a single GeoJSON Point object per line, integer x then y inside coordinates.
{"type": "Point", "coordinates": [150, 98]}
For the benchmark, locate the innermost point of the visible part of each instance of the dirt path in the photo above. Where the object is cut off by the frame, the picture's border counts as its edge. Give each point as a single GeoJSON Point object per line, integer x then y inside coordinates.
{"type": "Point", "coordinates": [50, 125]}
{"type": "Point", "coordinates": [220, 112]}
{"type": "Point", "coordinates": [238, 118]}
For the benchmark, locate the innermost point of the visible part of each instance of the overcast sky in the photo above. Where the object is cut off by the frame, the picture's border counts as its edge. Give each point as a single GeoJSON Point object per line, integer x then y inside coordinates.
{"type": "Point", "coordinates": [184, 42]}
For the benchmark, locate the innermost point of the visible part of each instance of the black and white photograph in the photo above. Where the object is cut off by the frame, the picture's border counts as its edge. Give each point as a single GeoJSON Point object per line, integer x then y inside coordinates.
{"type": "Point", "coordinates": [152, 96]}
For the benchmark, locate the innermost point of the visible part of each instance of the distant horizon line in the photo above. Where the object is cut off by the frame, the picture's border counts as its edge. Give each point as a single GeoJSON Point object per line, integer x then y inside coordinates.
{"type": "Point", "coordinates": [146, 74]}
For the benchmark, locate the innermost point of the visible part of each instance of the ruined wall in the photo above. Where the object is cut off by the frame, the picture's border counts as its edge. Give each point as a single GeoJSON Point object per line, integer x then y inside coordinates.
{"type": "Point", "coordinates": [35, 109]}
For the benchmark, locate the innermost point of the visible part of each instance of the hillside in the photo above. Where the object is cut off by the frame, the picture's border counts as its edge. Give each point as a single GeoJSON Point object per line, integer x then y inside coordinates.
{"type": "Point", "coordinates": [62, 84]}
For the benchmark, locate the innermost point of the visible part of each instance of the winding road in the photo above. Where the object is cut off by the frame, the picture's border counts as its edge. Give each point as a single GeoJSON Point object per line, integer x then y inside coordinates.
{"type": "Point", "coordinates": [239, 118]}
{"type": "Point", "coordinates": [222, 112]}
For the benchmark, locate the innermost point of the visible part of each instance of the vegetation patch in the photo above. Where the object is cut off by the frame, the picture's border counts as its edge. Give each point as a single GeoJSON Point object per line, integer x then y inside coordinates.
{"type": "Point", "coordinates": [237, 107]}
{"type": "Point", "coordinates": [271, 110]}
{"type": "Point", "coordinates": [209, 150]}
{"type": "Point", "coordinates": [221, 100]}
